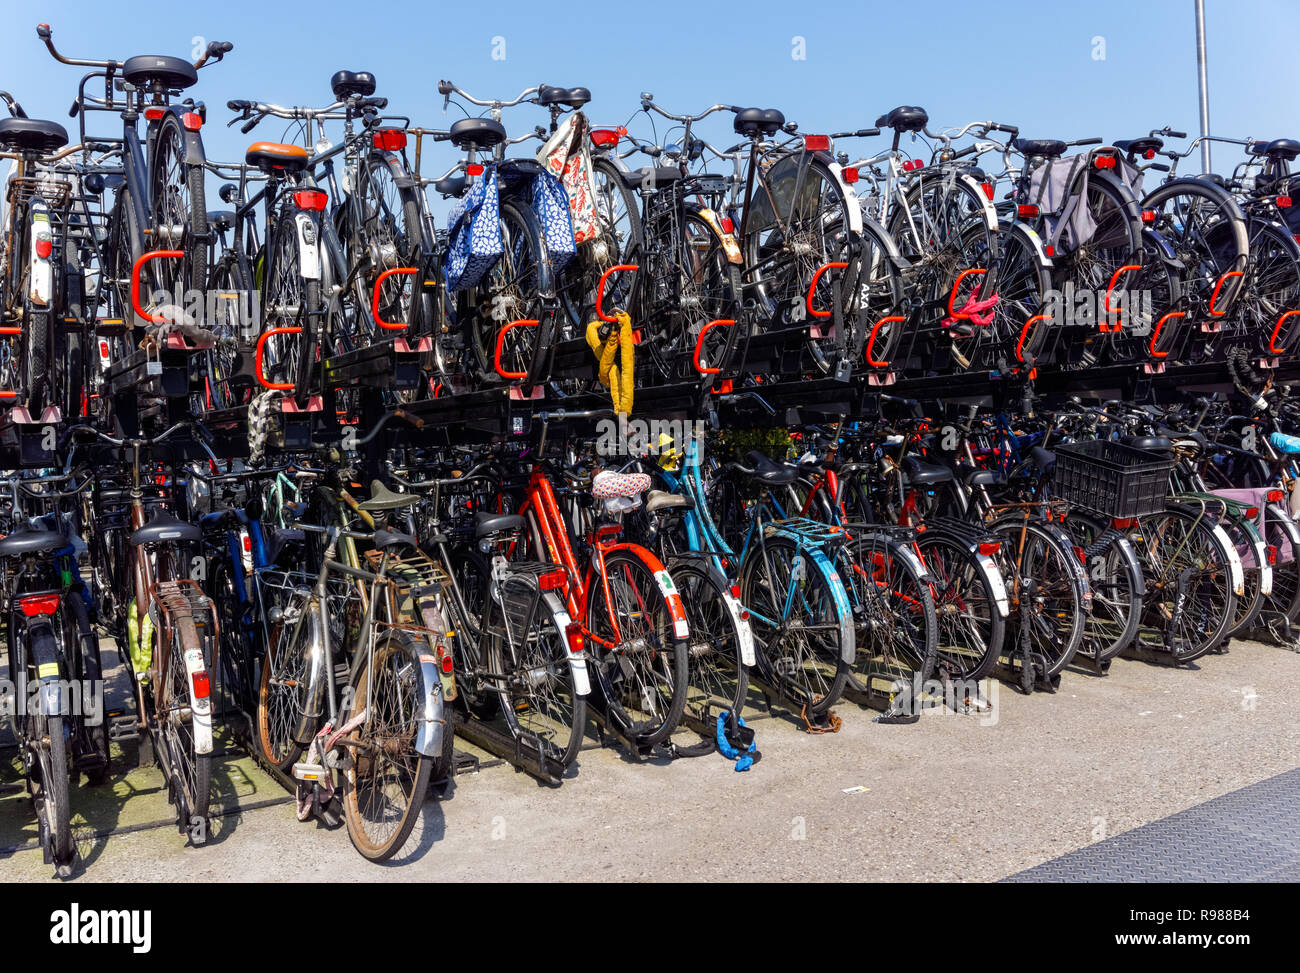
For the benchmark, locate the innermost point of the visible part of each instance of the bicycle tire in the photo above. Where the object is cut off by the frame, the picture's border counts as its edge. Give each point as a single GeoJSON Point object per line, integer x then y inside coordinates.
{"type": "Point", "coordinates": [1040, 554]}
{"type": "Point", "coordinates": [1115, 577]}
{"type": "Point", "coordinates": [56, 807]}
{"type": "Point", "coordinates": [717, 678]}
{"type": "Point", "coordinates": [969, 637]}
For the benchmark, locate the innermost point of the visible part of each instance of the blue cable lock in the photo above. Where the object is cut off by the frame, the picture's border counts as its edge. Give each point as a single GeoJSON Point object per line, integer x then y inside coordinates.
{"type": "Point", "coordinates": [743, 760]}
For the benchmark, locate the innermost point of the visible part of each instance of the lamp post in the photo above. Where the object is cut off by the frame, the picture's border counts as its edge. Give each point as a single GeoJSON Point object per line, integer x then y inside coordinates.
{"type": "Point", "coordinates": [1203, 85]}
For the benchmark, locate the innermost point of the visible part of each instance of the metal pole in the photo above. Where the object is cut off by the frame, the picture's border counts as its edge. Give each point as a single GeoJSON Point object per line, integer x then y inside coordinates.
{"type": "Point", "coordinates": [1203, 84]}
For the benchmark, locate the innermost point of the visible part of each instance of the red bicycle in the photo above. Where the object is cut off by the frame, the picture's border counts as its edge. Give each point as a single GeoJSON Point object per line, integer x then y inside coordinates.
{"type": "Point", "coordinates": [628, 613]}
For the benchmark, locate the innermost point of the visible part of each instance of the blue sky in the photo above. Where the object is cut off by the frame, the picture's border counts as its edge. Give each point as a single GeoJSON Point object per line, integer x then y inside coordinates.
{"type": "Point", "coordinates": [1028, 63]}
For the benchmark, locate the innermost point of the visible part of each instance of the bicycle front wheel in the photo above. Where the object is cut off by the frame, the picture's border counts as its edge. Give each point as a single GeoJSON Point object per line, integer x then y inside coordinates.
{"type": "Point", "coordinates": [639, 659]}
{"type": "Point", "coordinates": [387, 778]}
{"type": "Point", "coordinates": [717, 679]}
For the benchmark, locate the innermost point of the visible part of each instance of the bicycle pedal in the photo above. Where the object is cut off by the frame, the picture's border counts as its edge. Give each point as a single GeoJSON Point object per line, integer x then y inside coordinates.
{"type": "Point", "coordinates": [310, 772]}
{"type": "Point", "coordinates": [123, 727]}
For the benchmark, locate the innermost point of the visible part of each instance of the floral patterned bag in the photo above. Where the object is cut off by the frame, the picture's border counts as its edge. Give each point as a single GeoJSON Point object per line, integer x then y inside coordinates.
{"type": "Point", "coordinates": [562, 156]}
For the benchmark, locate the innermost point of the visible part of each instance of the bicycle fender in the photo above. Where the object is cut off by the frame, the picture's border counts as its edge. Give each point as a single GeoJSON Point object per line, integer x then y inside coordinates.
{"type": "Point", "coordinates": [1035, 243]}
{"type": "Point", "coordinates": [840, 596]}
{"type": "Point", "coordinates": [49, 670]}
{"type": "Point", "coordinates": [739, 616]}
{"type": "Point", "coordinates": [1278, 512]}
{"type": "Point", "coordinates": [194, 154]}
{"type": "Point", "coordinates": [1124, 548]}
{"type": "Point", "coordinates": [988, 211]}
{"type": "Point", "coordinates": [200, 707]}
{"type": "Point", "coordinates": [1235, 568]}
{"type": "Point", "coordinates": [433, 717]}
{"type": "Point", "coordinates": [1076, 565]}
{"type": "Point", "coordinates": [308, 233]}
{"type": "Point", "coordinates": [577, 660]}
{"type": "Point", "coordinates": [681, 630]}
{"type": "Point", "coordinates": [728, 241]}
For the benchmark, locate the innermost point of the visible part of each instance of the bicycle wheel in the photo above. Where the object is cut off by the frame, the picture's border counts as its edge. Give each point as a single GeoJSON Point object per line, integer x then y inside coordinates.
{"type": "Point", "coordinates": [894, 614]}
{"type": "Point", "coordinates": [47, 737]}
{"type": "Point", "coordinates": [970, 625]}
{"type": "Point", "coordinates": [189, 772]}
{"type": "Point", "coordinates": [802, 645]}
{"type": "Point", "coordinates": [1190, 598]}
{"type": "Point", "coordinates": [1010, 339]}
{"type": "Point", "coordinates": [1248, 604]}
{"type": "Point", "coordinates": [386, 779]}
{"type": "Point", "coordinates": [220, 389]}
{"type": "Point", "coordinates": [1207, 231]}
{"type": "Point", "coordinates": [390, 237]}
{"type": "Point", "coordinates": [1116, 581]}
{"type": "Point", "coordinates": [289, 301]}
{"type": "Point", "coordinates": [472, 657]}
{"type": "Point", "coordinates": [1049, 607]}
{"type": "Point", "coordinates": [1270, 287]}
{"type": "Point", "coordinates": [638, 659]}
{"type": "Point", "coordinates": [717, 679]}
{"type": "Point", "coordinates": [1283, 602]}
{"type": "Point", "coordinates": [180, 215]}
{"type": "Point", "coordinates": [531, 654]}
{"type": "Point", "coordinates": [291, 685]}
{"type": "Point", "coordinates": [508, 292]}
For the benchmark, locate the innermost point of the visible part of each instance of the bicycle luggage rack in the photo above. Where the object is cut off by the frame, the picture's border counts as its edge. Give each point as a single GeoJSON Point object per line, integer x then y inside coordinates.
{"type": "Point", "coordinates": [27, 442]}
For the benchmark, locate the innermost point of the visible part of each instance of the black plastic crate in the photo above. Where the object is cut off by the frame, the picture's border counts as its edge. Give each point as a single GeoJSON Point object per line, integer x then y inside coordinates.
{"type": "Point", "coordinates": [1111, 478]}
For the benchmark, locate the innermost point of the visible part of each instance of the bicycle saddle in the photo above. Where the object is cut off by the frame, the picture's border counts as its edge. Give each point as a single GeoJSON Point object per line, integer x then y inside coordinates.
{"type": "Point", "coordinates": [1280, 150]}
{"type": "Point", "coordinates": [345, 84]}
{"type": "Point", "coordinates": [921, 473]}
{"type": "Point", "coordinates": [451, 186]}
{"type": "Point", "coordinates": [904, 118]}
{"type": "Point", "coordinates": [382, 498]}
{"type": "Point", "coordinates": [164, 526]}
{"type": "Point", "coordinates": [31, 542]}
{"type": "Point", "coordinates": [606, 485]}
{"type": "Point", "coordinates": [276, 155]}
{"type": "Point", "coordinates": [1152, 444]}
{"type": "Point", "coordinates": [573, 97]}
{"type": "Point", "coordinates": [973, 476]}
{"type": "Point", "coordinates": [769, 471]}
{"type": "Point", "coordinates": [758, 121]}
{"type": "Point", "coordinates": [486, 523]}
{"type": "Point", "coordinates": [1148, 143]}
{"type": "Point", "coordinates": [1045, 459]}
{"type": "Point", "coordinates": [32, 135]}
{"type": "Point", "coordinates": [172, 73]}
{"type": "Point", "coordinates": [662, 500]}
{"type": "Point", "coordinates": [482, 133]}
{"type": "Point", "coordinates": [1049, 148]}
{"type": "Point", "coordinates": [658, 175]}
{"type": "Point", "coordinates": [391, 538]}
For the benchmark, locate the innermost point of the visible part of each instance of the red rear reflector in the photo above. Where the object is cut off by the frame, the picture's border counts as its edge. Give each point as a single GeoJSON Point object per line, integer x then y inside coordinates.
{"type": "Point", "coordinates": [201, 685]}
{"type": "Point", "coordinates": [573, 633]}
{"type": "Point", "coordinates": [911, 165]}
{"type": "Point", "coordinates": [1149, 154]}
{"type": "Point", "coordinates": [988, 190]}
{"type": "Point", "coordinates": [44, 248]}
{"type": "Point", "coordinates": [313, 199]}
{"type": "Point", "coordinates": [389, 139]}
{"type": "Point", "coordinates": [1272, 553]}
{"type": "Point", "coordinates": [988, 548]}
{"type": "Point", "coordinates": [1104, 162]}
{"type": "Point", "coordinates": [1122, 523]}
{"type": "Point", "coordinates": [552, 580]}
{"type": "Point", "coordinates": [153, 114]}
{"type": "Point", "coordinates": [1026, 211]}
{"type": "Point", "coordinates": [735, 591]}
{"type": "Point", "coordinates": [34, 605]}
{"type": "Point", "coordinates": [474, 170]}
{"type": "Point", "coordinates": [103, 349]}
{"type": "Point", "coordinates": [816, 143]}
{"type": "Point", "coordinates": [1148, 216]}
{"type": "Point", "coordinates": [605, 138]}
{"type": "Point", "coordinates": [849, 174]}
{"type": "Point", "coordinates": [192, 120]}
{"type": "Point", "coordinates": [1274, 496]}
{"type": "Point", "coordinates": [248, 542]}
{"type": "Point", "coordinates": [1252, 513]}
{"type": "Point", "coordinates": [1284, 202]}
{"type": "Point", "coordinates": [728, 226]}
{"type": "Point", "coordinates": [1049, 250]}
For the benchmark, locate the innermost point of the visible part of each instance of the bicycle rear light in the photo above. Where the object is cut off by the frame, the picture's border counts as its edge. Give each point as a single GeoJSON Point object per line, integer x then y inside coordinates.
{"type": "Point", "coordinates": [1284, 202]}
{"type": "Point", "coordinates": [474, 170]}
{"type": "Point", "coordinates": [1026, 211]}
{"type": "Point", "coordinates": [202, 688]}
{"type": "Point", "coordinates": [816, 143]}
{"type": "Point", "coordinates": [989, 548]}
{"type": "Point", "coordinates": [35, 605]}
{"type": "Point", "coordinates": [552, 580]}
{"type": "Point", "coordinates": [573, 635]}
{"type": "Point", "coordinates": [606, 138]}
{"type": "Point", "coordinates": [849, 174]}
{"type": "Point", "coordinates": [310, 199]}
{"type": "Point", "coordinates": [192, 121]}
{"type": "Point", "coordinates": [1274, 496]}
{"type": "Point", "coordinates": [389, 139]}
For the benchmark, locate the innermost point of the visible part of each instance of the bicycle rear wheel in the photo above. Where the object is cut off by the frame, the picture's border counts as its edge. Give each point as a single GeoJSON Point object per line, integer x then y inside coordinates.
{"type": "Point", "coordinates": [53, 806]}
{"type": "Point", "coordinates": [387, 778]}
{"type": "Point", "coordinates": [190, 772]}
{"type": "Point", "coordinates": [1054, 601]}
{"type": "Point", "coordinates": [1116, 580]}
{"type": "Point", "coordinates": [717, 679]}
{"type": "Point", "coordinates": [970, 625]}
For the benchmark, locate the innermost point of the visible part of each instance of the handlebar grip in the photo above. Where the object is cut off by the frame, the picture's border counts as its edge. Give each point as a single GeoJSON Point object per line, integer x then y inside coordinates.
{"type": "Point", "coordinates": [868, 132]}
{"type": "Point", "coordinates": [43, 31]}
{"type": "Point", "coordinates": [1093, 141]}
{"type": "Point", "coordinates": [969, 150]}
{"type": "Point", "coordinates": [76, 107]}
{"type": "Point", "coordinates": [239, 104]}
{"type": "Point", "coordinates": [1009, 129]}
{"type": "Point", "coordinates": [249, 125]}
{"type": "Point", "coordinates": [445, 87]}
{"type": "Point", "coordinates": [441, 136]}
{"type": "Point", "coordinates": [375, 102]}
{"type": "Point", "coordinates": [98, 147]}
{"type": "Point", "coordinates": [1177, 135]}
{"type": "Point", "coordinates": [224, 47]}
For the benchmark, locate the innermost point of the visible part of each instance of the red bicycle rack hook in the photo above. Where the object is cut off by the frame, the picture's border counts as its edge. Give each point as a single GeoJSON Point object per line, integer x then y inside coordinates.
{"type": "Point", "coordinates": [600, 289]}
{"type": "Point", "coordinates": [1155, 334]}
{"type": "Point", "coordinates": [501, 337]}
{"type": "Point", "coordinates": [1024, 333]}
{"type": "Point", "coordinates": [261, 348]}
{"type": "Point", "coordinates": [1219, 286]}
{"type": "Point", "coordinates": [143, 259]}
{"type": "Point", "coordinates": [699, 345]}
{"type": "Point", "coordinates": [1103, 326]}
{"type": "Point", "coordinates": [374, 298]}
{"type": "Point", "coordinates": [1272, 340]}
{"type": "Point", "coordinates": [812, 286]}
{"type": "Point", "coordinates": [871, 340]}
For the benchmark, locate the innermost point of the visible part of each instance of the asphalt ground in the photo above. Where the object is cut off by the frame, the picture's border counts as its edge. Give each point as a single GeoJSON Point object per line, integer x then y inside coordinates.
{"type": "Point", "coordinates": [953, 797]}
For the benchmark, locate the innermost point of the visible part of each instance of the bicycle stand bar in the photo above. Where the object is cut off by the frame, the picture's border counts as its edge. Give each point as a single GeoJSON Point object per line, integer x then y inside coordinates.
{"type": "Point", "coordinates": [519, 755]}
{"type": "Point", "coordinates": [385, 364]}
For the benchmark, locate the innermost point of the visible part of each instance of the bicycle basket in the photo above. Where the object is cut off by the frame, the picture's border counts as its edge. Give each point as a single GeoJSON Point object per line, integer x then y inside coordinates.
{"type": "Point", "coordinates": [54, 190]}
{"type": "Point", "coordinates": [1111, 478]}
